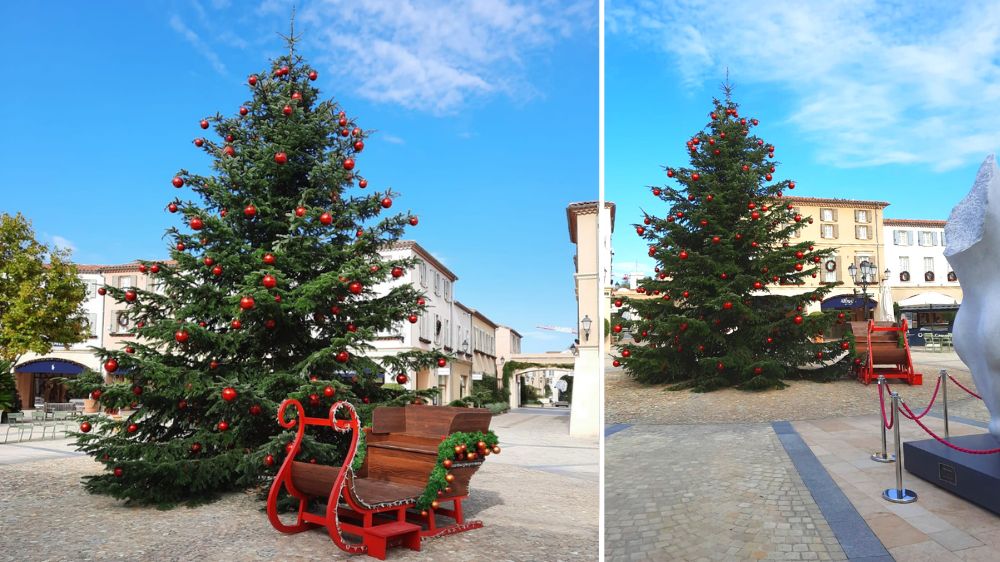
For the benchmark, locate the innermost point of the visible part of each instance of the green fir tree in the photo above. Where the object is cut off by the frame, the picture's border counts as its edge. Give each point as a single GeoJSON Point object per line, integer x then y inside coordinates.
{"type": "Point", "coordinates": [275, 286]}
{"type": "Point", "coordinates": [708, 318]}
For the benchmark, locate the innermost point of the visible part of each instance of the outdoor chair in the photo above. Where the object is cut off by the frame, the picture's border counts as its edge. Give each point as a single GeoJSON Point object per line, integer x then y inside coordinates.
{"type": "Point", "coordinates": [947, 341]}
{"type": "Point", "coordinates": [60, 422]}
{"type": "Point", "coordinates": [16, 421]}
{"type": "Point", "coordinates": [931, 342]}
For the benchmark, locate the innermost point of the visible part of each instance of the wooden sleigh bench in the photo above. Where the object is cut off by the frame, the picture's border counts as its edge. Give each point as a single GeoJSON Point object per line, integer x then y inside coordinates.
{"type": "Point", "coordinates": [376, 507]}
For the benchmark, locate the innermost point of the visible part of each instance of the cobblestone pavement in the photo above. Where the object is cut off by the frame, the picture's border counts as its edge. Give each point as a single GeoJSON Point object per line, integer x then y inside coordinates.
{"type": "Point", "coordinates": [529, 514]}
{"type": "Point", "coordinates": [627, 401]}
{"type": "Point", "coordinates": [709, 492]}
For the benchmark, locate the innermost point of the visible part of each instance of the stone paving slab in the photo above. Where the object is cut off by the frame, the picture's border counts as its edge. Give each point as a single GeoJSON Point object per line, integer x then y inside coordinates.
{"type": "Point", "coordinates": [529, 514]}
{"type": "Point", "coordinates": [709, 492]}
{"type": "Point", "coordinates": [938, 526]}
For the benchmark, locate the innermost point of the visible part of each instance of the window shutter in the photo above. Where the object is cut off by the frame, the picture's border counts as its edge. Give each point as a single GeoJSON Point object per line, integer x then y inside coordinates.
{"type": "Point", "coordinates": [840, 270]}
{"type": "Point", "coordinates": [934, 238]}
{"type": "Point", "coordinates": [836, 231]}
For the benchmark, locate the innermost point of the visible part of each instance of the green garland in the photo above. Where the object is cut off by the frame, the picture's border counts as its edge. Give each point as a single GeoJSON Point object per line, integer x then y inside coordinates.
{"type": "Point", "coordinates": [446, 451]}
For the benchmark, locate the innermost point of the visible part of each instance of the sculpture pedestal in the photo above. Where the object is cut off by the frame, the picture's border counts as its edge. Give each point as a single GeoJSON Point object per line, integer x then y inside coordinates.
{"type": "Point", "coordinates": [975, 478]}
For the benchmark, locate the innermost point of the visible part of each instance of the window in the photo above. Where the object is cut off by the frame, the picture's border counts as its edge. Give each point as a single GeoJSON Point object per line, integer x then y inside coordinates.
{"type": "Point", "coordinates": [827, 215]}
{"type": "Point", "coordinates": [904, 263]}
{"type": "Point", "coordinates": [423, 273]}
{"type": "Point", "coordinates": [92, 326]}
{"type": "Point", "coordinates": [861, 232]}
{"type": "Point", "coordinates": [830, 270]}
{"type": "Point", "coordinates": [447, 290]}
{"type": "Point", "coordinates": [942, 239]}
{"type": "Point", "coordinates": [928, 267]}
{"type": "Point", "coordinates": [447, 333]}
{"type": "Point", "coordinates": [424, 327]}
{"type": "Point", "coordinates": [902, 237]}
{"type": "Point", "coordinates": [927, 238]}
{"type": "Point", "coordinates": [437, 283]}
{"type": "Point", "coordinates": [121, 323]}
{"type": "Point", "coordinates": [91, 289]}
{"type": "Point", "coordinates": [126, 282]}
{"type": "Point", "coordinates": [861, 216]}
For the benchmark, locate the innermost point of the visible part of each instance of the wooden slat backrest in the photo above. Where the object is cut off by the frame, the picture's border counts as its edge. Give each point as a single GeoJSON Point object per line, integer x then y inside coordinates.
{"type": "Point", "coordinates": [440, 421]}
{"type": "Point", "coordinates": [388, 420]}
{"type": "Point", "coordinates": [314, 479]}
{"type": "Point", "coordinates": [471, 420]}
{"type": "Point", "coordinates": [400, 466]}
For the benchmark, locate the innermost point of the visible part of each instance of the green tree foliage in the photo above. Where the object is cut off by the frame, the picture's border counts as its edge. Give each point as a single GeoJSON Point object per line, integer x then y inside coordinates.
{"type": "Point", "coordinates": [40, 293]}
{"type": "Point", "coordinates": [276, 285]}
{"type": "Point", "coordinates": [709, 318]}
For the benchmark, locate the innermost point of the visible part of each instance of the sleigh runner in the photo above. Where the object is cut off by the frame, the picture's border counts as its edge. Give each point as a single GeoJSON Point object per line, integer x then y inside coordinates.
{"type": "Point", "coordinates": [383, 503]}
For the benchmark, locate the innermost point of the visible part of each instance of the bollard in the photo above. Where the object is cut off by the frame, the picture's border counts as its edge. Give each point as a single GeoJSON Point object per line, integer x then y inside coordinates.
{"type": "Point", "coordinates": [883, 455]}
{"type": "Point", "coordinates": [899, 494]}
{"type": "Point", "coordinates": [944, 396]}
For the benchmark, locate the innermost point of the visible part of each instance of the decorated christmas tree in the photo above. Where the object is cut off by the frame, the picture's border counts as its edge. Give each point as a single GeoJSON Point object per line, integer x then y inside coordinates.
{"type": "Point", "coordinates": [275, 287]}
{"type": "Point", "coordinates": [709, 318]}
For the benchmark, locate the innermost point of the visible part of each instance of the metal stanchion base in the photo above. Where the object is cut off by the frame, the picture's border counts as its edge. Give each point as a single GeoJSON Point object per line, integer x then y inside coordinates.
{"type": "Point", "coordinates": [899, 496]}
{"type": "Point", "coordinates": [877, 456]}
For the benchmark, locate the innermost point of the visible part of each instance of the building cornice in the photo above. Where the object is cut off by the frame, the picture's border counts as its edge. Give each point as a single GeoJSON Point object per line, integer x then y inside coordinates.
{"type": "Point", "coordinates": [925, 223]}
{"type": "Point", "coordinates": [423, 253]}
{"type": "Point", "coordinates": [573, 210]}
{"type": "Point", "coordinates": [834, 202]}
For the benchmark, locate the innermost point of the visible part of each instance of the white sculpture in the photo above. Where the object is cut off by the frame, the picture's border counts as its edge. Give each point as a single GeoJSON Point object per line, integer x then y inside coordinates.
{"type": "Point", "coordinates": [973, 250]}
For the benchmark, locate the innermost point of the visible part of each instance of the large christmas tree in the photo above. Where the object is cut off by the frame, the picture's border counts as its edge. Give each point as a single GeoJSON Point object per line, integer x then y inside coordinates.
{"type": "Point", "coordinates": [276, 285]}
{"type": "Point", "coordinates": [708, 318]}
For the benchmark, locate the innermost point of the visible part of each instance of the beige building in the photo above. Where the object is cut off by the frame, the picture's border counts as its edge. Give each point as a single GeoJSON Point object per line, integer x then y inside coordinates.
{"type": "Point", "coordinates": [854, 228]}
{"type": "Point", "coordinates": [590, 228]}
{"type": "Point", "coordinates": [484, 347]}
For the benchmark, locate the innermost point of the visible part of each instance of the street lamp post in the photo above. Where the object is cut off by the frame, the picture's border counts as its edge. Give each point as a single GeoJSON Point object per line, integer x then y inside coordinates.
{"type": "Point", "coordinates": [865, 276]}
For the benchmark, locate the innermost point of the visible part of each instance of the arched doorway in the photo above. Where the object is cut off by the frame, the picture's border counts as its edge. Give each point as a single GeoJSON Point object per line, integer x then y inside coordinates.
{"type": "Point", "coordinates": [36, 382]}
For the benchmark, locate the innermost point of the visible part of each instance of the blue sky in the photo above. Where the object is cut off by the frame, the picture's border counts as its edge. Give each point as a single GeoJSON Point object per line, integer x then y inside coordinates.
{"type": "Point", "coordinates": [486, 114]}
{"type": "Point", "coordinates": [894, 101]}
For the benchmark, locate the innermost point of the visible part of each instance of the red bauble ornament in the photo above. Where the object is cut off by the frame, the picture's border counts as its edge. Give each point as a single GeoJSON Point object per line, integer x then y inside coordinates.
{"type": "Point", "coordinates": [727, 305]}
{"type": "Point", "coordinates": [203, 124]}
{"type": "Point", "coordinates": [767, 177]}
{"type": "Point", "coordinates": [670, 173]}
{"type": "Point", "coordinates": [798, 218]}
{"type": "Point", "coordinates": [342, 357]}
{"type": "Point", "coordinates": [755, 215]}
{"type": "Point", "coordinates": [270, 324]}
{"type": "Point", "coordinates": [130, 296]}
{"type": "Point", "coordinates": [181, 246]}
{"type": "Point", "coordinates": [102, 291]}
{"type": "Point", "coordinates": [640, 230]}
{"type": "Point", "coordinates": [683, 255]}
{"type": "Point", "coordinates": [236, 324]}
{"type": "Point", "coordinates": [358, 147]}
{"type": "Point", "coordinates": [246, 303]}
{"type": "Point", "coordinates": [402, 378]}
{"type": "Point", "coordinates": [199, 142]}
{"type": "Point", "coordinates": [129, 350]}
{"type": "Point", "coordinates": [626, 353]}
{"type": "Point", "coordinates": [442, 362]}
{"type": "Point", "coordinates": [137, 390]}
{"type": "Point", "coordinates": [397, 272]}
{"type": "Point", "coordinates": [329, 391]}
{"type": "Point", "coordinates": [656, 191]}
{"type": "Point", "coordinates": [118, 472]}
{"type": "Point", "coordinates": [313, 75]}
{"type": "Point", "coordinates": [85, 427]}
{"type": "Point", "coordinates": [269, 460]}
{"type": "Point", "coordinates": [413, 319]}
{"type": "Point", "coordinates": [280, 158]}
{"type": "Point", "coordinates": [300, 211]}
{"type": "Point", "coordinates": [617, 328]}
{"type": "Point", "coordinates": [223, 426]}
{"type": "Point", "coordinates": [196, 223]}
{"type": "Point", "coordinates": [797, 319]}
{"type": "Point", "coordinates": [213, 365]}
{"type": "Point", "coordinates": [155, 268]}
{"type": "Point", "coordinates": [269, 281]}
{"type": "Point", "coordinates": [181, 336]}
{"type": "Point", "coordinates": [695, 176]}
{"type": "Point", "coordinates": [177, 181]}
{"type": "Point", "coordinates": [132, 428]}
{"type": "Point", "coordinates": [758, 285]}
{"type": "Point", "coordinates": [616, 363]}
{"type": "Point", "coordinates": [355, 288]}
{"type": "Point", "coordinates": [349, 164]}
{"type": "Point", "coordinates": [111, 365]}
{"type": "Point", "coordinates": [229, 394]}
{"type": "Point", "coordinates": [326, 219]}
{"type": "Point", "coordinates": [217, 270]}
{"type": "Point", "coordinates": [287, 110]}
{"type": "Point", "coordinates": [363, 183]}
{"type": "Point", "coordinates": [250, 211]}
{"type": "Point", "coordinates": [386, 202]}
{"type": "Point", "coordinates": [255, 410]}
{"type": "Point", "coordinates": [845, 345]}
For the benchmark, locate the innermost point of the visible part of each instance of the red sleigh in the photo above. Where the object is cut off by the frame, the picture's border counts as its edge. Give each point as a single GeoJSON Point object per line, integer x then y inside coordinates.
{"type": "Point", "coordinates": [376, 508]}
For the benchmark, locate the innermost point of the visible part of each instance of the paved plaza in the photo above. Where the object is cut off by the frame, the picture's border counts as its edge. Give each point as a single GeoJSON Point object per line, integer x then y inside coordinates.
{"type": "Point", "coordinates": [757, 488]}
{"type": "Point", "coordinates": [538, 501]}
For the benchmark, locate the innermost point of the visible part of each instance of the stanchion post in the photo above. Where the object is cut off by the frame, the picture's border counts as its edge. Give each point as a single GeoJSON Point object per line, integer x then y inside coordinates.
{"type": "Point", "coordinates": [944, 396]}
{"type": "Point", "coordinates": [899, 494]}
{"type": "Point", "coordinates": [883, 455]}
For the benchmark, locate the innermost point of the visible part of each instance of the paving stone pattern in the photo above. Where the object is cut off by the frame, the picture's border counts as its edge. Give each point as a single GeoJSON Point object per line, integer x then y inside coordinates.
{"type": "Point", "coordinates": [709, 492]}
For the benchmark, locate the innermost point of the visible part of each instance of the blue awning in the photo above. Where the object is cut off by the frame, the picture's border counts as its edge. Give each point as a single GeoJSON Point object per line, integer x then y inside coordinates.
{"type": "Point", "coordinates": [846, 302]}
{"type": "Point", "coordinates": [50, 367]}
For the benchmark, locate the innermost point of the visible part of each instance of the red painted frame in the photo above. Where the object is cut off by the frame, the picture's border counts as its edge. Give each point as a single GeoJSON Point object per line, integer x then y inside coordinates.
{"type": "Point", "coordinates": [867, 373]}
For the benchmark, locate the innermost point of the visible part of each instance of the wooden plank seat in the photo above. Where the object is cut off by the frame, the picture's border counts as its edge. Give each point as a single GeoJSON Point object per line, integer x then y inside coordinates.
{"type": "Point", "coordinates": [377, 505]}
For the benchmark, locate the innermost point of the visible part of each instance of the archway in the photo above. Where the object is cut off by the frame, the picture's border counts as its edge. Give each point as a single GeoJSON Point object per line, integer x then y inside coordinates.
{"type": "Point", "coordinates": [540, 385]}
{"type": "Point", "coordinates": [36, 383]}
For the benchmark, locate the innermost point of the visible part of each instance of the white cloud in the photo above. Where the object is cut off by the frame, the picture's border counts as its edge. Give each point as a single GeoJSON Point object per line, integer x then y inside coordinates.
{"type": "Point", "coordinates": [435, 55]}
{"type": "Point", "coordinates": [200, 46]}
{"type": "Point", "coordinates": [896, 82]}
{"type": "Point", "coordinates": [391, 139]}
{"type": "Point", "coordinates": [63, 243]}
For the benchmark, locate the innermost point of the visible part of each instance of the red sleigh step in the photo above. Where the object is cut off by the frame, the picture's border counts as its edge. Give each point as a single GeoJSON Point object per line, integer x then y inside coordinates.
{"type": "Point", "coordinates": [377, 506]}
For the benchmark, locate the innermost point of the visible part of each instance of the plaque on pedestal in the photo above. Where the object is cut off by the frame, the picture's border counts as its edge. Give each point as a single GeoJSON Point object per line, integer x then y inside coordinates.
{"type": "Point", "coordinates": [975, 478]}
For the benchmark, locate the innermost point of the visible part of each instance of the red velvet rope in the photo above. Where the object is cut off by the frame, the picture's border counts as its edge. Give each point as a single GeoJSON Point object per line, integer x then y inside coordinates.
{"type": "Point", "coordinates": [935, 436]}
{"type": "Point", "coordinates": [962, 386]}
{"type": "Point", "coordinates": [937, 387]}
{"type": "Point", "coordinates": [881, 405]}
